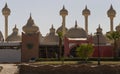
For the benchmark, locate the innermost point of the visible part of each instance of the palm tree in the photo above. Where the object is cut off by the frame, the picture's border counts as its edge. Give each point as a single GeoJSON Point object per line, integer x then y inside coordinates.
{"type": "Point", "coordinates": [60, 35]}
{"type": "Point", "coordinates": [85, 51]}
{"type": "Point", "coordinates": [114, 36]}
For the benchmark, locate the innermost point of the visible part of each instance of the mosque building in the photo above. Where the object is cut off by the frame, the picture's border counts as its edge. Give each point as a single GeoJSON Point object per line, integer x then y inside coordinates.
{"type": "Point", "coordinates": [31, 44]}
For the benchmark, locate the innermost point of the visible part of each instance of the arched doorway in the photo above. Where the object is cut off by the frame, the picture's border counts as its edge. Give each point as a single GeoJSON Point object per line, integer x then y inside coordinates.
{"type": "Point", "coordinates": [73, 51]}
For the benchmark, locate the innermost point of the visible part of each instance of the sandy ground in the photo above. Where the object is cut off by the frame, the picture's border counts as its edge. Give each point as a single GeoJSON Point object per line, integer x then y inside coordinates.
{"type": "Point", "coordinates": [8, 69]}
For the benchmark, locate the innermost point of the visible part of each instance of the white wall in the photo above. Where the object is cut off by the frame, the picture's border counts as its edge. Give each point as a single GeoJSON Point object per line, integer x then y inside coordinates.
{"type": "Point", "coordinates": [10, 55]}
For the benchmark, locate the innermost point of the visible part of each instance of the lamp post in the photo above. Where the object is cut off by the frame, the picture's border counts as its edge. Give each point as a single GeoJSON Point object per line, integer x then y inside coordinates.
{"type": "Point", "coordinates": [97, 34]}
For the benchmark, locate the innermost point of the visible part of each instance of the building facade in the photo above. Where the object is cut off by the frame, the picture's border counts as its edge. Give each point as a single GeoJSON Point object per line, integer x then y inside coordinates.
{"type": "Point", "coordinates": [32, 45]}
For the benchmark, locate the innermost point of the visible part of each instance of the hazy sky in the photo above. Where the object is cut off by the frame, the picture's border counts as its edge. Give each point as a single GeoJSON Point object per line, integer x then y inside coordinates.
{"type": "Point", "coordinates": [46, 12]}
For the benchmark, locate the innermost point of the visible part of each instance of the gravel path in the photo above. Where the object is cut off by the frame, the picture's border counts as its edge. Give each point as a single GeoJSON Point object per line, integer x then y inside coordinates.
{"type": "Point", "coordinates": [8, 69]}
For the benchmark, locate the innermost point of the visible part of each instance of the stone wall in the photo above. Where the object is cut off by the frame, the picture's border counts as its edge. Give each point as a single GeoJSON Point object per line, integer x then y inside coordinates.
{"type": "Point", "coordinates": [10, 55]}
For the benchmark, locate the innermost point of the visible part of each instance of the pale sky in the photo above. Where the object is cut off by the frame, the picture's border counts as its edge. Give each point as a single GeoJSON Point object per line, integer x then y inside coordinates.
{"type": "Point", "coordinates": [46, 12]}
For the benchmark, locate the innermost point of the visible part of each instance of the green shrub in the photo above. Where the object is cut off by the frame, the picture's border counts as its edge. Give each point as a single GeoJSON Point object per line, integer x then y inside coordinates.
{"type": "Point", "coordinates": [85, 50]}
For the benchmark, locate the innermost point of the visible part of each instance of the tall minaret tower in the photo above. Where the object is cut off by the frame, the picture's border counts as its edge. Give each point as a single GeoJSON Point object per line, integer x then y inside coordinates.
{"type": "Point", "coordinates": [63, 13]}
{"type": "Point", "coordinates": [86, 13]}
{"type": "Point", "coordinates": [111, 14]}
{"type": "Point", "coordinates": [6, 12]}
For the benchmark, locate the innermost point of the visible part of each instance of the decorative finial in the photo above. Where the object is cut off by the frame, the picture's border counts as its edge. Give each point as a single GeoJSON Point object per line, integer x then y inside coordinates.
{"type": "Point", "coordinates": [6, 6]}
{"type": "Point", "coordinates": [15, 29]}
{"type": "Point", "coordinates": [52, 26]}
{"type": "Point", "coordinates": [6, 11]}
{"type": "Point", "coordinates": [86, 7]}
{"type": "Point", "coordinates": [111, 12]}
{"type": "Point", "coordinates": [30, 20]}
{"type": "Point", "coordinates": [30, 16]}
{"type": "Point", "coordinates": [76, 24]}
{"type": "Point", "coordinates": [111, 7]}
{"type": "Point", "coordinates": [63, 6]}
{"type": "Point", "coordinates": [15, 25]}
{"type": "Point", "coordinates": [52, 30]}
{"type": "Point", "coordinates": [63, 11]}
{"type": "Point", "coordinates": [99, 29]}
{"type": "Point", "coordinates": [86, 11]}
{"type": "Point", "coordinates": [99, 26]}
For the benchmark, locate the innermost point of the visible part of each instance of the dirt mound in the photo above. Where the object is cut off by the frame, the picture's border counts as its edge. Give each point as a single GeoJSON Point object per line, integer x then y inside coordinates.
{"type": "Point", "coordinates": [69, 69]}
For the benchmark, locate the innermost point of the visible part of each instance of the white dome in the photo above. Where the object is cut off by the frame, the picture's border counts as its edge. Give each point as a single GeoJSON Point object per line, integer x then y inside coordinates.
{"type": "Point", "coordinates": [51, 37]}
{"type": "Point", "coordinates": [14, 36]}
{"type": "Point", "coordinates": [76, 32]}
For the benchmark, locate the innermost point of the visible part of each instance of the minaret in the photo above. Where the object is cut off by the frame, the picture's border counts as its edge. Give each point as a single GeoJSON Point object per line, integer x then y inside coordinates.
{"type": "Point", "coordinates": [86, 13]}
{"type": "Point", "coordinates": [6, 12]}
{"type": "Point", "coordinates": [111, 14]}
{"type": "Point", "coordinates": [63, 13]}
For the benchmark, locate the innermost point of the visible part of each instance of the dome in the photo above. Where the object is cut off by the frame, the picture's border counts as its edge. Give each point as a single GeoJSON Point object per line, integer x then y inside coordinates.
{"type": "Point", "coordinates": [102, 38]}
{"type": "Point", "coordinates": [60, 29]}
{"type": "Point", "coordinates": [111, 12]}
{"type": "Point", "coordinates": [51, 37]}
{"type": "Point", "coordinates": [76, 32]}
{"type": "Point", "coordinates": [118, 28]}
{"type": "Point", "coordinates": [63, 12]}
{"type": "Point", "coordinates": [86, 11]}
{"type": "Point", "coordinates": [99, 29]}
{"type": "Point", "coordinates": [52, 30]}
{"type": "Point", "coordinates": [14, 36]}
{"type": "Point", "coordinates": [6, 11]}
{"type": "Point", "coordinates": [30, 27]}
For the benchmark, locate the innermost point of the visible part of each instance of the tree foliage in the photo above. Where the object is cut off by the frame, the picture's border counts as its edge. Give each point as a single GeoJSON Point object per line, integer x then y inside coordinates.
{"type": "Point", "coordinates": [114, 35]}
{"type": "Point", "coordinates": [85, 50]}
{"type": "Point", "coordinates": [60, 34]}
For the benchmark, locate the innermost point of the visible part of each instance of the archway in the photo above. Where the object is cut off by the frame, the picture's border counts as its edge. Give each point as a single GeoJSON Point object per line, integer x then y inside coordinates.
{"type": "Point", "coordinates": [73, 51]}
